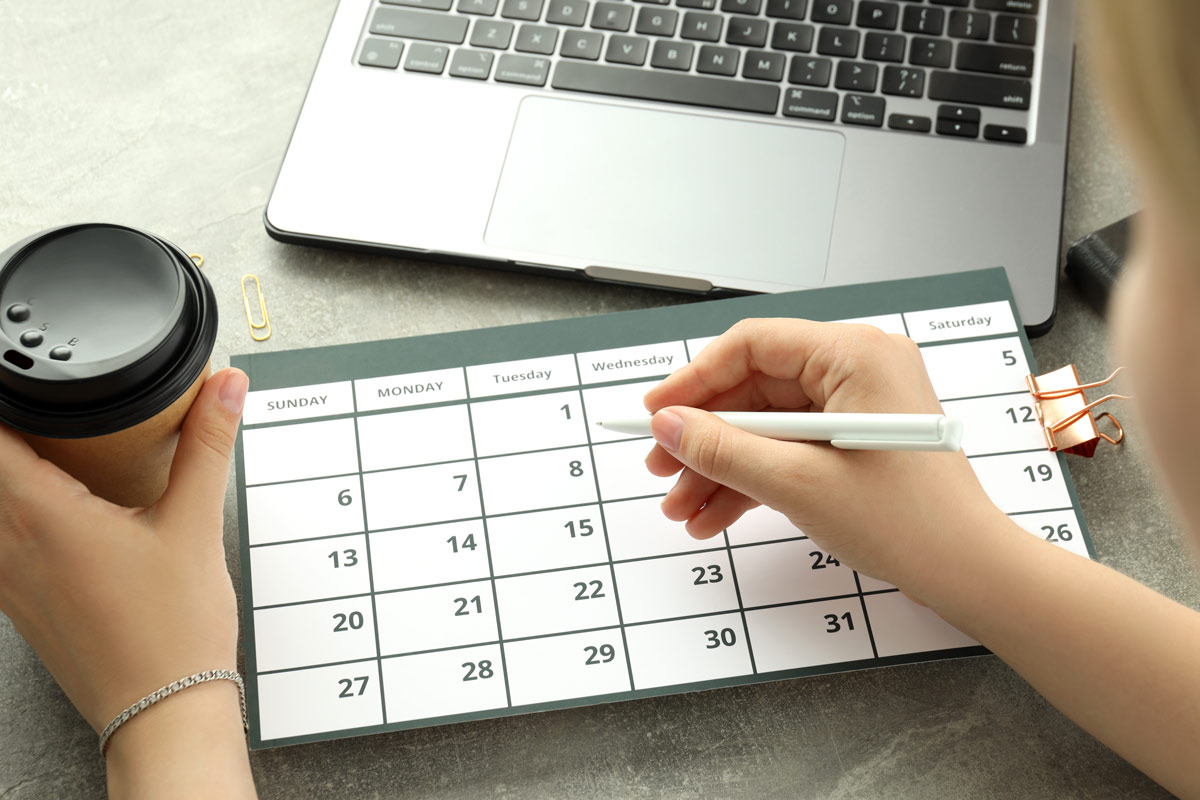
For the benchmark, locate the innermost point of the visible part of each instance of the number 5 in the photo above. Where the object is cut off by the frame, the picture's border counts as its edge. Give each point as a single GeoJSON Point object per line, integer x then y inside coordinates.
{"type": "Point", "coordinates": [1009, 358]}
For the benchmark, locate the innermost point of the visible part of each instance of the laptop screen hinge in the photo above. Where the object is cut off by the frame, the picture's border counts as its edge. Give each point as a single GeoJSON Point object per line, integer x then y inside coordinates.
{"type": "Point", "coordinates": [654, 279]}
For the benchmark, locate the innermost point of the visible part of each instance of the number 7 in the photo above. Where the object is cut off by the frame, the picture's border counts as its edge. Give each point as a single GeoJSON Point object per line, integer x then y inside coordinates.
{"type": "Point", "coordinates": [462, 481]}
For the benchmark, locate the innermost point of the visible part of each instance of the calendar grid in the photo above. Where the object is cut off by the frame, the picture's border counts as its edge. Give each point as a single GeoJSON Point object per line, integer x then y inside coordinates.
{"type": "Point", "coordinates": [488, 545]}
{"type": "Point", "coordinates": [306, 402]}
{"type": "Point", "coordinates": [370, 570]}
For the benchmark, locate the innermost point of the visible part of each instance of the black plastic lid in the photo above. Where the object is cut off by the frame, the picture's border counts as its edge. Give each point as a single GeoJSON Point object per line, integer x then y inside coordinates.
{"type": "Point", "coordinates": [101, 327]}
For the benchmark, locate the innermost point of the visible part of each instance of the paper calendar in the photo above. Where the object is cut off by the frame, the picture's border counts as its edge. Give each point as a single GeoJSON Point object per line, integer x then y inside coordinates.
{"type": "Point", "coordinates": [433, 530]}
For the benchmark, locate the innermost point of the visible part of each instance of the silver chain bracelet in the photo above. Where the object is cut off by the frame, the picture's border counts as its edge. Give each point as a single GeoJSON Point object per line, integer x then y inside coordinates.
{"type": "Point", "coordinates": [167, 691]}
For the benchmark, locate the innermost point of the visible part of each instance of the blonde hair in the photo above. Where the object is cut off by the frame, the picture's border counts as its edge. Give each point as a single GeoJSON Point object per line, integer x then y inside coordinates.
{"type": "Point", "coordinates": [1146, 54]}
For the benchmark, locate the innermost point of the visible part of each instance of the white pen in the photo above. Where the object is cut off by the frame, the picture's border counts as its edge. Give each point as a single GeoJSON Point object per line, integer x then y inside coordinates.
{"type": "Point", "coordinates": [845, 431]}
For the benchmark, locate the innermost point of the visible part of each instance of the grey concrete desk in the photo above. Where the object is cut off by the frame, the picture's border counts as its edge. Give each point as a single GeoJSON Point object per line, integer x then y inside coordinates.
{"type": "Point", "coordinates": [173, 117]}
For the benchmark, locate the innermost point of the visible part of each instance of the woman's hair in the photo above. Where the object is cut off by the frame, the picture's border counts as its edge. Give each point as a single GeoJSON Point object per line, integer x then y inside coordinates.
{"type": "Point", "coordinates": [1149, 61]}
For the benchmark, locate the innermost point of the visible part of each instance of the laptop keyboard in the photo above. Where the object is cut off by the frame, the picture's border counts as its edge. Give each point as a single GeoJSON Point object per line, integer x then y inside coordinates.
{"type": "Point", "coordinates": [839, 61]}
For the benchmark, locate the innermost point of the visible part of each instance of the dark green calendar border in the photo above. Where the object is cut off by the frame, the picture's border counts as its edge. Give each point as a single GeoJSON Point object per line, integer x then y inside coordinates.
{"type": "Point", "coordinates": [316, 365]}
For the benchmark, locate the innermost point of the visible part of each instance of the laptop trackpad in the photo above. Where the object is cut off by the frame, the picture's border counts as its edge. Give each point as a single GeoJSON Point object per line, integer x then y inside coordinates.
{"type": "Point", "coordinates": [730, 201]}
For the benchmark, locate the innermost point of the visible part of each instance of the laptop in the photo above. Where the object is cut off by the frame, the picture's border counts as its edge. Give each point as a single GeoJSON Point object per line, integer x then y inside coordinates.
{"type": "Point", "coordinates": [708, 146]}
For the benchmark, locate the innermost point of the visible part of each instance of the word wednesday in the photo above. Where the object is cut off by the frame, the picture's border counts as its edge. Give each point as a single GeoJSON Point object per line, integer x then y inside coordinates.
{"type": "Point", "coordinates": [626, 363]}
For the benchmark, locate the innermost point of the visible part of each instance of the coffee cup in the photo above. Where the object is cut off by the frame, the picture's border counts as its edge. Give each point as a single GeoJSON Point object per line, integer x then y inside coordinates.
{"type": "Point", "coordinates": [105, 337]}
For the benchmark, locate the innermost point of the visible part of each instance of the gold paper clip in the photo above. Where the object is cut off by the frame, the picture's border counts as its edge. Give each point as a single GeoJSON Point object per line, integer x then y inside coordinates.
{"type": "Point", "coordinates": [1066, 414]}
{"type": "Point", "coordinates": [255, 327]}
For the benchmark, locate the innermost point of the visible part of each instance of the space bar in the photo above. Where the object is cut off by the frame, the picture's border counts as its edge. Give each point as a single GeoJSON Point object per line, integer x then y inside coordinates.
{"type": "Point", "coordinates": [649, 85]}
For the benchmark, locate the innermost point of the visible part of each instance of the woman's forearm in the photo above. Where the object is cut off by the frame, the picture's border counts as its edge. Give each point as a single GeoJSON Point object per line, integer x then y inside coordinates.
{"type": "Point", "coordinates": [1120, 660]}
{"type": "Point", "coordinates": [190, 745]}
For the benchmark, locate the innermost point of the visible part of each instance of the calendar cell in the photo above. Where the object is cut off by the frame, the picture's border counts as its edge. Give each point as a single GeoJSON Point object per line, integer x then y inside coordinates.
{"type": "Point", "coordinates": [336, 698]}
{"type": "Point", "coordinates": [638, 529]}
{"type": "Point", "coordinates": [565, 667]}
{"type": "Point", "coordinates": [960, 322]}
{"type": "Point", "coordinates": [410, 438]}
{"type": "Point", "coordinates": [623, 363]}
{"type": "Point", "coordinates": [970, 369]}
{"type": "Point", "coordinates": [314, 633]}
{"type": "Point", "coordinates": [414, 389]}
{"type": "Point", "coordinates": [762, 524]}
{"type": "Point", "coordinates": [688, 651]}
{"type": "Point", "coordinates": [419, 495]}
{"type": "Point", "coordinates": [870, 584]}
{"type": "Point", "coordinates": [309, 570]}
{"type": "Point", "coordinates": [1059, 527]}
{"type": "Point", "coordinates": [784, 572]}
{"type": "Point", "coordinates": [676, 586]}
{"type": "Point", "coordinates": [621, 467]}
{"type": "Point", "coordinates": [615, 402]}
{"type": "Point", "coordinates": [519, 424]}
{"type": "Point", "coordinates": [283, 512]}
{"type": "Point", "coordinates": [298, 402]}
{"type": "Point", "coordinates": [563, 537]}
{"type": "Point", "coordinates": [532, 481]}
{"type": "Point", "coordinates": [444, 683]}
{"type": "Point", "coordinates": [808, 634]}
{"type": "Point", "coordinates": [299, 451]}
{"type": "Point", "coordinates": [901, 626]}
{"type": "Point", "coordinates": [888, 323]}
{"type": "Point", "coordinates": [1023, 481]}
{"type": "Point", "coordinates": [694, 346]}
{"type": "Point", "coordinates": [410, 557]}
{"type": "Point", "coordinates": [442, 616]}
{"type": "Point", "coordinates": [525, 375]}
{"type": "Point", "coordinates": [1003, 424]}
{"type": "Point", "coordinates": [556, 602]}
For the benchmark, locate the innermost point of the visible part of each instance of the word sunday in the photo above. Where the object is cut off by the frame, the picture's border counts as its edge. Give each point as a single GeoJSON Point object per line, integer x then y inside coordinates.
{"type": "Point", "coordinates": [297, 402]}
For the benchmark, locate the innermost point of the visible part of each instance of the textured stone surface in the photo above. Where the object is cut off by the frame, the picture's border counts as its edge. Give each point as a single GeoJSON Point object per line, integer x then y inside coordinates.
{"type": "Point", "coordinates": [173, 117]}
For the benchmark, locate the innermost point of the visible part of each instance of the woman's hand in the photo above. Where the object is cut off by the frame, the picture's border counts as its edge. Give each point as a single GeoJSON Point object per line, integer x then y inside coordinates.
{"type": "Point", "coordinates": [879, 512]}
{"type": "Point", "coordinates": [118, 602]}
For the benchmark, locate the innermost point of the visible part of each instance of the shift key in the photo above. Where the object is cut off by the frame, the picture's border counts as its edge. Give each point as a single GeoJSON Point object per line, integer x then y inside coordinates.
{"type": "Point", "coordinates": [419, 25]}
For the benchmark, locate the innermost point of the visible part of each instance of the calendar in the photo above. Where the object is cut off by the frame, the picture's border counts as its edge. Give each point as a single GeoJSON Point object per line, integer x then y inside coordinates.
{"type": "Point", "coordinates": [434, 530]}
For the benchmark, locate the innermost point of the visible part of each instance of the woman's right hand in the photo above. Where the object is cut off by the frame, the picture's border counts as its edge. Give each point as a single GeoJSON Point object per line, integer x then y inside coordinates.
{"type": "Point", "coordinates": [881, 512]}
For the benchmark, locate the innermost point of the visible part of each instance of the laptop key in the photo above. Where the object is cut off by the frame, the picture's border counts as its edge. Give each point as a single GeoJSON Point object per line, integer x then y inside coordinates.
{"type": "Point", "coordinates": [717, 60]}
{"type": "Point", "coordinates": [484, 7]}
{"type": "Point", "coordinates": [809, 71]}
{"type": "Point", "coordinates": [529, 10]}
{"type": "Point", "coordinates": [701, 26]}
{"type": "Point", "coordinates": [1004, 133]}
{"type": "Point", "coordinates": [672, 55]}
{"type": "Point", "coordinates": [419, 25]}
{"type": "Point", "coordinates": [747, 31]}
{"type": "Point", "coordinates": [475, 64]}
{"type": "Point", "coordinates": [741, 6]}
{"type": "Point", "coordinates": [669, 87]}
{"type": "Point", "coordinates": [627, 50]}
{"type": "Point", "coordinates": [919, 19]}
{"type": "Point", "coordinates": [861, 109]}
{"type": "Point", "coordinates": [537, 39]}
{"type": "Point", "coordinates": [1020, 6]}
{"type": "Point", "coordinates": [582, 44]}
{"type": "Point", "coordinates": [429, 58]}
{"type": "Point", "coordinates": [705, 5]}
{"type": "Point", "coordinates": [856, 76]}
{"type": "Point", "coordinates": [961, 113]}
{"type": "Point", "coordinates": [907, 122]}
{"type": "Point", "coordinates": [786, 9]}
{"type": "Point", "coordinates": [762, 66]}
{"type": "Point", "coordinates": [527, 70]}
{"type": "Point", "coordinates": [657, 21]}
{"type": "Point", "coordinates": [792, 36]}
{"type": "Point", "coordinates": [1016, 30]}
{"type": "Point", "coordinates": [835, 42]}
{"type": "Point", "coordinates": [810, 104]}
{"type": "Point", "coordinates": [903, 81]}
{"type": "Point", "coordinates": [873, 14]}
{"type": "Point", "coordinates": [953, 127]}
{"type": "Point", "coordinates": [997, 59]}
{"type": "Point", "coordinates": [884, 47]}
{"type": "Point", "coordinates": [567, 12]}
{"type": "Point", "coordinates": [930, 52]}
{"type": "Point", "coordinates": [838, 12]}
{"type": "Point", "coordinates": [381, 53]}
{"type": "Point", "coordinates": [981, 90]}
{"type": "Point", "coordinates": [969, 24]}
{"type": "Point", "coordinates": [492, 33]}
{"type": "Point", "coordinates": [612, 16]}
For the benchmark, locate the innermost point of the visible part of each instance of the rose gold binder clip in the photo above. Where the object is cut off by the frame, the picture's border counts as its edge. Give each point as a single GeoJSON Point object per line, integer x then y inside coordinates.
{"type": "Point", "coordinates": [1065, 413]}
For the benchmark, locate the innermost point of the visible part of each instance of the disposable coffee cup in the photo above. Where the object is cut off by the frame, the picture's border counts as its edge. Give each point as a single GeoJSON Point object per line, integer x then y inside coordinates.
{"type": "Point", "coordinates": [105, 339]}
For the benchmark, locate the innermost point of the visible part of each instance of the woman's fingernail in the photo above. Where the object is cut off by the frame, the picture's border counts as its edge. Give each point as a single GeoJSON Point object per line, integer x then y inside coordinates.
{"type": "Point", "coordinates": [233, 391]}
{"type": "Point", "coordinates": [667, 428]}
